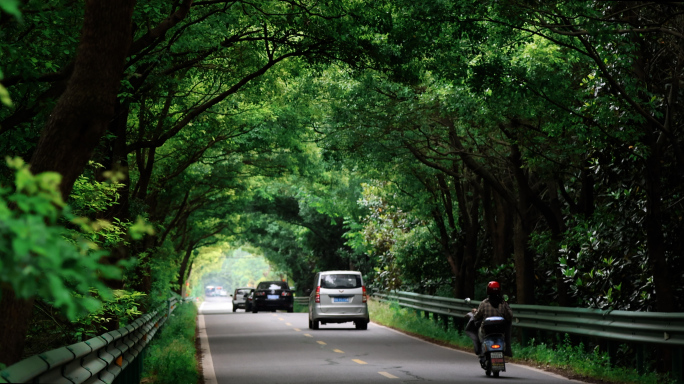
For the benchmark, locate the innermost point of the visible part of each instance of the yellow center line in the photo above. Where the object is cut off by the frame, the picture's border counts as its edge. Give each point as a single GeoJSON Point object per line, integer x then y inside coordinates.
{"type": "Point", "coordinates": [388, 375]}
{"type": "Point", "coordinates": [307, 335]}
{"type": "Point", "coordinates": [288, 324]}
{"type": "Point", "coordinates": [321, 342]}
{"type": "Point", "coordinates": [281, 319]}
{"type": "Point", "coordinates": [338, 351]}
{"type": "Point", "coordinates": [275, 315]}
{"type": "Point", "coordinates": [297, 329]}
{"type": "Point", "coordinates": [359, 361]}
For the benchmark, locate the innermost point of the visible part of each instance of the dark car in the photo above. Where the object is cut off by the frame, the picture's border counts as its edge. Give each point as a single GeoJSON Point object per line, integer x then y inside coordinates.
{"type": "Point", "coordinates": [272, 295]}
{"type": "Point", "coordinates": [240, 298]}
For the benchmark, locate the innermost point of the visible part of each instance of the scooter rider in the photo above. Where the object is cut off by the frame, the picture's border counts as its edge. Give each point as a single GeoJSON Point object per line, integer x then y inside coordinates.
{"type": "Point", "coordinates": [495, 305]}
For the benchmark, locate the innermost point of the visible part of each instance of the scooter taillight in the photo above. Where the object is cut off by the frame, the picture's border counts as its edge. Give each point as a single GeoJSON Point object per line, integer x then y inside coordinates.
{"type": "Point", "coordinates": [496, 346]}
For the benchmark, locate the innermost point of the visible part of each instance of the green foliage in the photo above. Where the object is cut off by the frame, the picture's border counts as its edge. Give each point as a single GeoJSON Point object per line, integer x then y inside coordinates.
{"type": "Point", "coordinates": [576, 359]}
{"type": "Point", "coordinates": [123, 306]}
{"type": "Point", "coordinates": [408, 320]}
{"type": "Point", "coordinates": [38, 256]}
{"type": "Point", "coordinates": [299, 308]}
{"type": "Point", "coordinates": [11, 7]}
{"type": "Point", "coordinates": [171, 356]}
{"type": "Point", "coordinates": [4, 95]}
{"type": "Point", "coordinates": [230, 268]}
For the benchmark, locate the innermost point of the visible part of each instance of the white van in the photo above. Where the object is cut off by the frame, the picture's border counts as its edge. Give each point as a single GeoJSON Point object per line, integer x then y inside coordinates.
{"type": "Point", "coordinates": [338, 297]}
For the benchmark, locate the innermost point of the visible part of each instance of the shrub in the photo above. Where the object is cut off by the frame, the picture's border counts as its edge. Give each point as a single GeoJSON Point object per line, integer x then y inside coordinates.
{"type": "Point", "coordinates": [171, 356]}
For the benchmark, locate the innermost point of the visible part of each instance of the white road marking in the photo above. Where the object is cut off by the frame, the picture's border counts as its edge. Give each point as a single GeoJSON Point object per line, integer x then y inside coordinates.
{"type": "Point", "coordinates": [388, 375]}
{"type": "Point", "coordinates": [207, 362]}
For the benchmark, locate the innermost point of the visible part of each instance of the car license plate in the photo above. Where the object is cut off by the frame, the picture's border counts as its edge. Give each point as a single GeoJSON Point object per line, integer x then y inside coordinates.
{"type": "Point", "coordinates": [340, 299]}
{"type": "Point", "coordinates": [272, 297]}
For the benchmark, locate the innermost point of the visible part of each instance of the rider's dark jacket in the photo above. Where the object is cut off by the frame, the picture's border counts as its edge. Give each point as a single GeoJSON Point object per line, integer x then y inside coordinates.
{"type": "Point", "coordinates": [487, 309]}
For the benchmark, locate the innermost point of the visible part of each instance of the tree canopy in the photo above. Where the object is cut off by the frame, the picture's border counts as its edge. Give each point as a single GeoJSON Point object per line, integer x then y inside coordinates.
{"type": "Point", "coordinates": [432, 145]}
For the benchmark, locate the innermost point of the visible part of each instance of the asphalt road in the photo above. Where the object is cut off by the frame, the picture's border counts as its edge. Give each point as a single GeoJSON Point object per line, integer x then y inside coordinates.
{"type": "Point", "coordinates": [279, 347]}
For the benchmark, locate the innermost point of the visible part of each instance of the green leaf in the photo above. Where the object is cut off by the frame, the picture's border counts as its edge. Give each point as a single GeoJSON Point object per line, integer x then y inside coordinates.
{"type": "Point", "coordinates": [11, 7]}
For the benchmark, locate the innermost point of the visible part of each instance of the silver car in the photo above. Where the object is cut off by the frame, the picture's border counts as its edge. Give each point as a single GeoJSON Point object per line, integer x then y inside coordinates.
{"type": "Point", "coordinates": [338, 297]}
{"type": "Point", "coordinates": [240, 298]}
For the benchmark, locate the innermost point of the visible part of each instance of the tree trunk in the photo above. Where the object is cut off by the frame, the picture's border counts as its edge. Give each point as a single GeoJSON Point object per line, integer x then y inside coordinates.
{"type": "Point", "coordinates": [524, 263]}
{"type": "Point", "coordinates": [665, 298]}
{"type": "Point", "coordinates": [117, 161]}
{"type": "Point", "coordinates": [184, 266]}
{"type": "Point", "coordinates": [75, 127]}
{"type": "Point", "coordinates": [502, 232]}
{"type": "Point", "coordinates": [83, 112]}
{"type": "Point", "coordinates": [470, 250]}
{"type": "Point", "coordinates": [13, 332]}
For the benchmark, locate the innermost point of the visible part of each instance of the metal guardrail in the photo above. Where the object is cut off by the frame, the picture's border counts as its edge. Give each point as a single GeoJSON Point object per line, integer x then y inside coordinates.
{"type": "Point", "coordinates": [616, 326]}
{"type": "Point", "coordinates": [100, 360]}
{"type": "Point", "coordinates": [302, 300]}
{"type": "Point", "coordinates": [625, 326]}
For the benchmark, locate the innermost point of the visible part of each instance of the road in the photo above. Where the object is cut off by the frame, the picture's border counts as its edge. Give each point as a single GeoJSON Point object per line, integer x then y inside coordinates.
{"type": "Point", "coordinates": [279, 347]}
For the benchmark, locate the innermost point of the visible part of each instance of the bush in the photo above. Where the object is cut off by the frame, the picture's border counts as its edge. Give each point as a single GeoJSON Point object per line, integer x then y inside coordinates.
{"type": "Point", "coordinates": [394, 316]}
{"type": "Point", "coordinates": [171, 356]}
{"type": "Point", "coordinates": [577, 359]}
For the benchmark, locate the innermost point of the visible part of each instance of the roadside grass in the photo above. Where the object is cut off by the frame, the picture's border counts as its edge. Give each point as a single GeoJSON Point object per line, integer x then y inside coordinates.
{"type": "Point", "coordinates": [300, 308]}
{"type": "Point", "coordinates": [569, 360]}
{"type": "Point", "coordinates": [170, 358]}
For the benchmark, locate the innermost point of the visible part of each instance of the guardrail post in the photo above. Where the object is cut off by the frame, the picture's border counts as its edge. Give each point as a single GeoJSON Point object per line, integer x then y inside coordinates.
{"type": "Point", "coordinates": [612, 352]}
{"type": "Point", "coordinates": [525, 336]}
{"type": "Point", "coordinates": [639, 349]}
{"type": "Point", "coordinates": [677, 357]}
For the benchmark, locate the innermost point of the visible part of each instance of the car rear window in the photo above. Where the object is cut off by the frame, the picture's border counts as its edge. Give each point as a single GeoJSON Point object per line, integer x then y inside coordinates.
{"type": "Point", "coordinates": [272, 286]}
{"type": "Point", "coordinates": [340, 280]}
{"type": "Point", "coordinates": [242, 291]}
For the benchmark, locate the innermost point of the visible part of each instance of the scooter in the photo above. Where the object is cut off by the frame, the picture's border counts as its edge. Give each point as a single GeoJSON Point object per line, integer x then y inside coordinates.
{"type": "Point", "coordinates": [489, 342]}
{"type": "Point", "coordinates": [493, 346]}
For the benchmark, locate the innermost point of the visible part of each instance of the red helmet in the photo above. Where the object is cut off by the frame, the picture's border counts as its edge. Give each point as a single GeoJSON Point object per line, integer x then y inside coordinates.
{"type": "Point", "coordinates": [493, 288]}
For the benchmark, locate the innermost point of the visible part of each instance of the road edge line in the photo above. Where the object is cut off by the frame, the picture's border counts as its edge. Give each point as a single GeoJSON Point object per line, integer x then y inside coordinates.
{"type": "Point", "coordinates": [207, 363]}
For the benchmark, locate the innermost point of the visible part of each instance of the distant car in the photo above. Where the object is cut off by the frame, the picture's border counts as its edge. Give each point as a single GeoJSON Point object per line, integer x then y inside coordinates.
{"type": "Point", "coordinates": [223, 293]}
{"type": "Point", "coordinates": [239, 298]}
{"type": "Point", "coordinates": [272, 295]}
{"type": "Point", "coordinates": [338, 297]}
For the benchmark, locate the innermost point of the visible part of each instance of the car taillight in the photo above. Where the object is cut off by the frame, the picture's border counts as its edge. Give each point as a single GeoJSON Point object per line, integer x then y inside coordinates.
{"type": "Point", "coordinates": [365, 297]}
{"type": "Point", "coordinates": [261, 293]}
{"type": "Point", "coordinates": [286, 294]}
{"type": "Point", "coordinates": [318, 294]}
